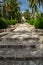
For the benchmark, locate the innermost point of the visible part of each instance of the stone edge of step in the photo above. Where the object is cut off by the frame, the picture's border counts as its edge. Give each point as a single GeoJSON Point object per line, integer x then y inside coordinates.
{"type": "Point", "coordinates": [21, 59]}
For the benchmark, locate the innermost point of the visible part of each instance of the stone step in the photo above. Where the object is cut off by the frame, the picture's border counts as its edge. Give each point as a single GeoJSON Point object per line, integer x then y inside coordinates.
{"type": "Point", "coordinates": [22, 36]}
{"type": "Point", "coordinates": [21, 47]}
{"type": "Point", "coordinates": [3, 34]}
{"type": "Point", "coordinates": [13, 48]}
{"type": "Point", "coordinates": [20, 55]}
{"type": "Point", "coordinates": [12, 41]}
{"type": "Point", "coordinates": [21, 61]}
{"type": "Point", "coordinates": [20, 51]}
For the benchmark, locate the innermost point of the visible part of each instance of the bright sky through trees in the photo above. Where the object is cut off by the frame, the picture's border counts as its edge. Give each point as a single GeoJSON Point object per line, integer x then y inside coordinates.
{"type": "Point", "coordinates": [25, 5]}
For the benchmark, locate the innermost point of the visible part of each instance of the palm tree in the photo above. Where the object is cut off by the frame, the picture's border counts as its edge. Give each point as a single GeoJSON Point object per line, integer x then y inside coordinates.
{"type": "Point", "coordinates": [27, 14]}
{"type": "Point", "coordinates": [12, 7]}
{"type": "Point", "coordinates": [40, 2]}
{"type": "Point", "coordinates": [33, 5]}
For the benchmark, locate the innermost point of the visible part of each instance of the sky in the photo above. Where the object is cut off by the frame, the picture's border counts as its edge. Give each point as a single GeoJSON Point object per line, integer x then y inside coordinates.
{"type": "Point", "coordinates": [25, 5]}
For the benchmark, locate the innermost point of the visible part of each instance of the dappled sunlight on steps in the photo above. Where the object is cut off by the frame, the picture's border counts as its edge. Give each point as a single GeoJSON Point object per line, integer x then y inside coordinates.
{"type": "Point", "coordinates": [21, 46]}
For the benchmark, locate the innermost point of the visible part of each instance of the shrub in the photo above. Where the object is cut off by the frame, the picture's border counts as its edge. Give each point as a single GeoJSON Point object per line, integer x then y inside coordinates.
{"type": "Point", "coordinates": [12, 22]}
{"type": "Point", "coordinates": [3, 23]}
{"type": "Point", "coordinates": [30, 21]}
{"type": "Point", "coordinates": [38, 23]}
{"type": "Point", "coordinates": [27, 21]}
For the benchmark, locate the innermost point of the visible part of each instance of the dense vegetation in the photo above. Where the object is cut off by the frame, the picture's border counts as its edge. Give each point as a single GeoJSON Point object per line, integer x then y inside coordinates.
{"type": "Point", "coordinates": [37, 22]}
{"type": "Point", "coordinates": [11, 13]}
{"type": "Point", "coordinates": [3, 23]}
{"type": "Point", "coordinates": [35, 18]}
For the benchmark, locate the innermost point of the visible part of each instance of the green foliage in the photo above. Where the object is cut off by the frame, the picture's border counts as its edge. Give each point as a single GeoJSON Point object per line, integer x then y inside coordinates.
{"type": "Point", "coordinates": [27, 14]}
{"type": "Point", "coordinates": [12, 22]}
{"type": "Point", "coordinates": [3, 23]}
{"type": "Point", "coordinates": [30, 21]}
{"type": "Point", "coordinates": [33, 4]}
{"type": "Point", "coordinates": [27, 21]}
{"type": "Point", "coordinates": [13, 9]}
{"type": "Point", "coordinates": [38, 23]}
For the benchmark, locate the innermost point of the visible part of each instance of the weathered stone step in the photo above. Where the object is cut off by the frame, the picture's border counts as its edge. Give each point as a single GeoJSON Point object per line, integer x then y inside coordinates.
{"type": "Point", "coordinates": [21, 62]}
{"type": "Point", "coordinates": [3, 34]}
{"type": "Point", "coordinates": [13, 55]}
{"type": "Point", "coordinates": [13, 46]}
{"type": "Point", "coordinates": [21, 56]}
{"type": "Point", "coordinates": [21, 59]}
{"type": "Point", "coordinates": [21, 47]}
{"type": "Point", "coordinates": [12, 41]}
{"type": "Point", "coordinates": [20, 51]}
{"type": "Point", "coordinates": [21, 37]}
{"type": "Point", "coordinates": [38, 30]}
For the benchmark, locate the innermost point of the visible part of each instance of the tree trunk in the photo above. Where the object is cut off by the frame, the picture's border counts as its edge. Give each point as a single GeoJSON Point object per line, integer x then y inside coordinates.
{"type": "Point", "coordinates": [4, 10]}
{"type": "Point", "coordinates": [33, 12]}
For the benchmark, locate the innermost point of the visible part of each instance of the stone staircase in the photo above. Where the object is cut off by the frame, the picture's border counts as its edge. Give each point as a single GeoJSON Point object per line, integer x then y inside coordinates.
{"type": "Point", "coordinates": [22, 46]}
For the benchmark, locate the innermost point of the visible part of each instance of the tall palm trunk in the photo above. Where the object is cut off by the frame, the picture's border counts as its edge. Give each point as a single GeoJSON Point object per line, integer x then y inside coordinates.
{"type": "Point", "coordinates": [33, 12]}
{"type": "Point", "coordinates": [4, 10]}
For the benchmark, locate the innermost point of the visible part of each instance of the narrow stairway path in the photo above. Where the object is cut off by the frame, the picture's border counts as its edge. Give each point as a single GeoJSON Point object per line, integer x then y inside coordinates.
{"type": "Point", "coordinates": [24, 42]}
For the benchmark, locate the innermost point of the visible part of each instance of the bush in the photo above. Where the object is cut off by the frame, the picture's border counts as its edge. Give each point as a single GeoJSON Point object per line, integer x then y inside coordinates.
{"type": "Point", "coordinates": [38, 23]}
{"type": "Point", "coordinates": [27, 21]}
{"type": "Point", "coordinates": [12, 22]}
{"type": "Point", "coordinates": [30, 21]}
{"type": "Point", "coordinates": [3, 23]}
